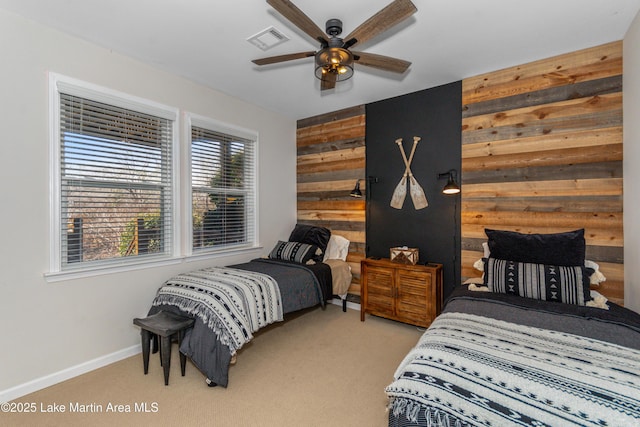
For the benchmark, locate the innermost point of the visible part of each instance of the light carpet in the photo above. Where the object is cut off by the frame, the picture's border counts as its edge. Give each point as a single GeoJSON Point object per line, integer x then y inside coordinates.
{"type": "Point", "coordinates": [320, 367]}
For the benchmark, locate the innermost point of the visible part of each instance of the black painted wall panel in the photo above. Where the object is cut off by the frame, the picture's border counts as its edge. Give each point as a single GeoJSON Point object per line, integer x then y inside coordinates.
{"type": "Point", "coordinates": [434, 115]}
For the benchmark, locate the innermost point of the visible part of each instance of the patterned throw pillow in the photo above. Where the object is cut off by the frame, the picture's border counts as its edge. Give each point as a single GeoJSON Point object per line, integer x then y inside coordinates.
{"type": "Point", "coordinates": [569, 285]}
{"type": "Point", "coordinates": [294, 251]}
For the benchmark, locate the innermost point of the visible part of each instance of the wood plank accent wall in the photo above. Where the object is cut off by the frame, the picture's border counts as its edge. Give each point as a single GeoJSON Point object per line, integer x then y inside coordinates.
{"type": "Point", "coordinates": [542, 153]}
{"type": "Point", "coordinates": [330, 159]}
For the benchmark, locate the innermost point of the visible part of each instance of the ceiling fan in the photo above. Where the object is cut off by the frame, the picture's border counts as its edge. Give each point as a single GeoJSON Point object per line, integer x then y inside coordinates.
{"type": "Point", "coordinates": [334, 61]}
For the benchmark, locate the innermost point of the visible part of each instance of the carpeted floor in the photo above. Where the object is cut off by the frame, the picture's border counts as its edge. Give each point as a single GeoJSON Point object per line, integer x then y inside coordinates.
{"type": "Point", "coordinates": [318, 368]}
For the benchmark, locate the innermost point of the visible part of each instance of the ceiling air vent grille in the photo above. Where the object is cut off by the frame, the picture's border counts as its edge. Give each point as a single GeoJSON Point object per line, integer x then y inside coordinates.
{"type": "Point", "coordinates": [268, 38]}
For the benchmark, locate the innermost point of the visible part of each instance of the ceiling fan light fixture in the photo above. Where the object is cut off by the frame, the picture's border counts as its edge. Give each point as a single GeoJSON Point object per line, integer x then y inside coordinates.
{"type": "Point", "coordinates": [334, 60]}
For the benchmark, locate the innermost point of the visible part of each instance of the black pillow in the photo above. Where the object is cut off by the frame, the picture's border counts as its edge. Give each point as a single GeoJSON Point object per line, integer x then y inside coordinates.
{"type": "Point", "coordinates": [311, 235]}
{"type": "Point", "coordinates": [565, 249]}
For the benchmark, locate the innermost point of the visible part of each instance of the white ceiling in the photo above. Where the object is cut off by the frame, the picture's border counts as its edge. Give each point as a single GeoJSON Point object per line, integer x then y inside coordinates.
{"type": "Point", "coordinates": [446, 40]}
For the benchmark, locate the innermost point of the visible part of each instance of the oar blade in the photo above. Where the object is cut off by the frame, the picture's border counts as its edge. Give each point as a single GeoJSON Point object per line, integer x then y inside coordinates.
{"type": "Point", "coordinates": [399, 194]}
{"type": "Point", "coordinates": [417, 194]}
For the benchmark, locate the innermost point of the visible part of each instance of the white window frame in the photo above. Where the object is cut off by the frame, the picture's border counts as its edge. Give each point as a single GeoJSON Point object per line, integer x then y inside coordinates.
{"type": "Point", "coordinates": [57, 84]}
{"type": "Point", "coordinates": [190, 120]}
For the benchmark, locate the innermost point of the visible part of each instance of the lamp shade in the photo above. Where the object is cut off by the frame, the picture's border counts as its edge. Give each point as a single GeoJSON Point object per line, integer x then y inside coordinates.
{"type": "Point", "coordinates": [334, 60]}
{"type": "Point", "coordinates": [451, 187]}
{"type": "Point", "coordinates": [356, 191]}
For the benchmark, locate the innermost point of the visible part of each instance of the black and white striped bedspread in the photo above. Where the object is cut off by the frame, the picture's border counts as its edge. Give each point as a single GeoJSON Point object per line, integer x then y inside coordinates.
{"type": "Point", "coordinates": [470, 370]}
{"type": "Point", "coordinates": [233, 303]}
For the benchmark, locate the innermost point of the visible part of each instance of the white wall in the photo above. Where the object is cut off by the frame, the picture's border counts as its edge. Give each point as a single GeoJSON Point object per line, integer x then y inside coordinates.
{"type": "Point", "coordinates": [631, 108]}
{"type": "Point", "coordinates": [49, 330]}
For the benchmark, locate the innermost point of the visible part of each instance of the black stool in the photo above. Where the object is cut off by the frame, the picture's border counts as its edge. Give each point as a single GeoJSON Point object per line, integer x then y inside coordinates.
{"type": "Point", "coordinates": [164, 324]}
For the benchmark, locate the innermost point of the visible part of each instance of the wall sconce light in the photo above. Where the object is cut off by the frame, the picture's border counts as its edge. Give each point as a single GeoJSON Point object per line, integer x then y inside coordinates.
{"type": "Point", "coordinates": [451, 187]}
{"type": "Point", "coordinates": [357, 193]}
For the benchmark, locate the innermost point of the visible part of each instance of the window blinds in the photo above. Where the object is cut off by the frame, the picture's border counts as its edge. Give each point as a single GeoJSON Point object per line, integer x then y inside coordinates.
{"type": "Point", "coordinates": [115, 182]}
{"type": "Point", "coordinates": [223, 189]}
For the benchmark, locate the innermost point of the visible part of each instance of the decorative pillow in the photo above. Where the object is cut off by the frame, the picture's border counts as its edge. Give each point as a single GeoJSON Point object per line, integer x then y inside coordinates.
{"type": "Point", "coordinates": [298, 252]}
{"type": "Point", "coordinates": [564, 249]}
{"type": "Point", "coordinates": [594, 279]}
{"type": "Point", "coordinates": [567, 284]}
{"type": "Point", "coordinates": [598, 301]}
{"type": "Point", "coordinates": [311, 235]}
{"type": "Point", "coordinates": [597, 277]}
{"type": "Point", "coordinates": [337, 248]}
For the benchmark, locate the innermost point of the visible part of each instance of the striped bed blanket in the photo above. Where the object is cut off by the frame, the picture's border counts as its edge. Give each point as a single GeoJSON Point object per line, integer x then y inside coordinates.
{"type": "Point", "coordinates": [233, 303]}
{"type": "Point", "coordinates": [470, 370]}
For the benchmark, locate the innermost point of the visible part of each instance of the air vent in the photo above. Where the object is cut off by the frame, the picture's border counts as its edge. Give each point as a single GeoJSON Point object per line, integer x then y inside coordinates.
{"type": "Point", "coordinates": [266, 39]}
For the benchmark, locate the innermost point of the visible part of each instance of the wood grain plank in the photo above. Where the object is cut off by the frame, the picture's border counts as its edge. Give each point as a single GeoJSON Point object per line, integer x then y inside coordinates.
{"type": "Point", "coordinates": [579, 138]}
{"type": "Point", "coordinates": [576, 59]}
{"type": "Point", "coordinates": [545, 204]}
{"type": "Point", "coordinates": [560, 170]}
{"type": "Point", "coordinates": [356, 248]}
{"type": "Point", "coordinates": [567, 188]}
{"type": "Point", "coordinates": [347, 204]}
{"type": "Point", "coordinates": [467, 258]}
{"type": "Point", "coordinates": [333, 174]}
{"type": "Point", "coordinates": [595, 237]}
{"type": "Point", "coordinates": [348, 128]}
{"type": "Point", "coordinates": [332, 116]}
{"type": "Point", "coordinates": [561, 125]}
{"type": "Point", "coordinates": [584, 65]}
{"type": "Point", "coordinates": [556, 163]}
{"type": "Point", "coordinates": [331, 215]}
{"type": "Point", "coordinates": [610, 254]}
{"type": "Point", "coordinates": [356, 153]}
{"type": "Point", "coordinates": [335, 136]}
{"type": "Point", "coordinates": [612, 67]}
{"type": "Point", "coordinates": [338, 185]}
{"type": "Point", "coordinates": [613, 287]}
{"type": "Point", "coordinates": [468, 244]}
{"type": "Point", "coordinates": [342, 144]}
{"type": "Point", "coordinates": [554, 94]}
{"type": "Point", "coordinates": [324, 195]}
{"type": "Point", "coordinates": [600, 220]}
{"type": "Point", "coordinates": [353, 236]}
{"type": "Point", "coordinates": [555, 110]}
{"type": "Point", "coordinates": [340, 165]}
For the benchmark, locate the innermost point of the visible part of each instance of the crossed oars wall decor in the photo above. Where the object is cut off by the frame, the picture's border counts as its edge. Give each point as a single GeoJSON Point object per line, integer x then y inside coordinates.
{"type": "Point", "coordinates": [415, 190]}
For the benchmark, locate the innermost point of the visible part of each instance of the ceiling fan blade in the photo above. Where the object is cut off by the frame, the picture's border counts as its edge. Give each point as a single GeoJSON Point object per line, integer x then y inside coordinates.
{"type": "Point", "coordinates": [394, 13]}
{"type": "Point", "coordinates": [382, 62]}
{"type": "Point", "coordinates": [328, 81]}
{"type": "Point", "coordinates": [282, 58]}
{"type": "Point", "coordinates": [299, 19]}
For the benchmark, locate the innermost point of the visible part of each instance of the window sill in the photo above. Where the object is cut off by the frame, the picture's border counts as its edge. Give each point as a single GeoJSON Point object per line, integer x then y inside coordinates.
{"type": "Point", "coordinates": [60, 276]}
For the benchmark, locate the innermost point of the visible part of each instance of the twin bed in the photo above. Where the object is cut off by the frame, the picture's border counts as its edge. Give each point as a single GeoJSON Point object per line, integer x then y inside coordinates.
{"type": "Point", "coordinates": [231, 303]}
{"type": "Point", "coordinates": [530, 346]}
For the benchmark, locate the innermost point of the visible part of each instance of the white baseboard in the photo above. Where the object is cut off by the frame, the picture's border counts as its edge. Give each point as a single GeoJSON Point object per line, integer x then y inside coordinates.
{"type": "Point", "coordinates": [57, 377]}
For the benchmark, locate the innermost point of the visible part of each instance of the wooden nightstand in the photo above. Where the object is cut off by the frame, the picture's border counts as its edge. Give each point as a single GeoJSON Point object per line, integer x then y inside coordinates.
{"type": "Point", "coordinates": [406, 293]}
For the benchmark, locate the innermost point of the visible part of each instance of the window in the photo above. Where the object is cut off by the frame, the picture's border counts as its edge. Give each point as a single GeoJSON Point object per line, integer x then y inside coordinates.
{"type": "Point", "coordinates": [222, 185]}
{"type": "Point", "coordinates": [121, 178]}
{"type": "Point", "coordinates": [114, 176]}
